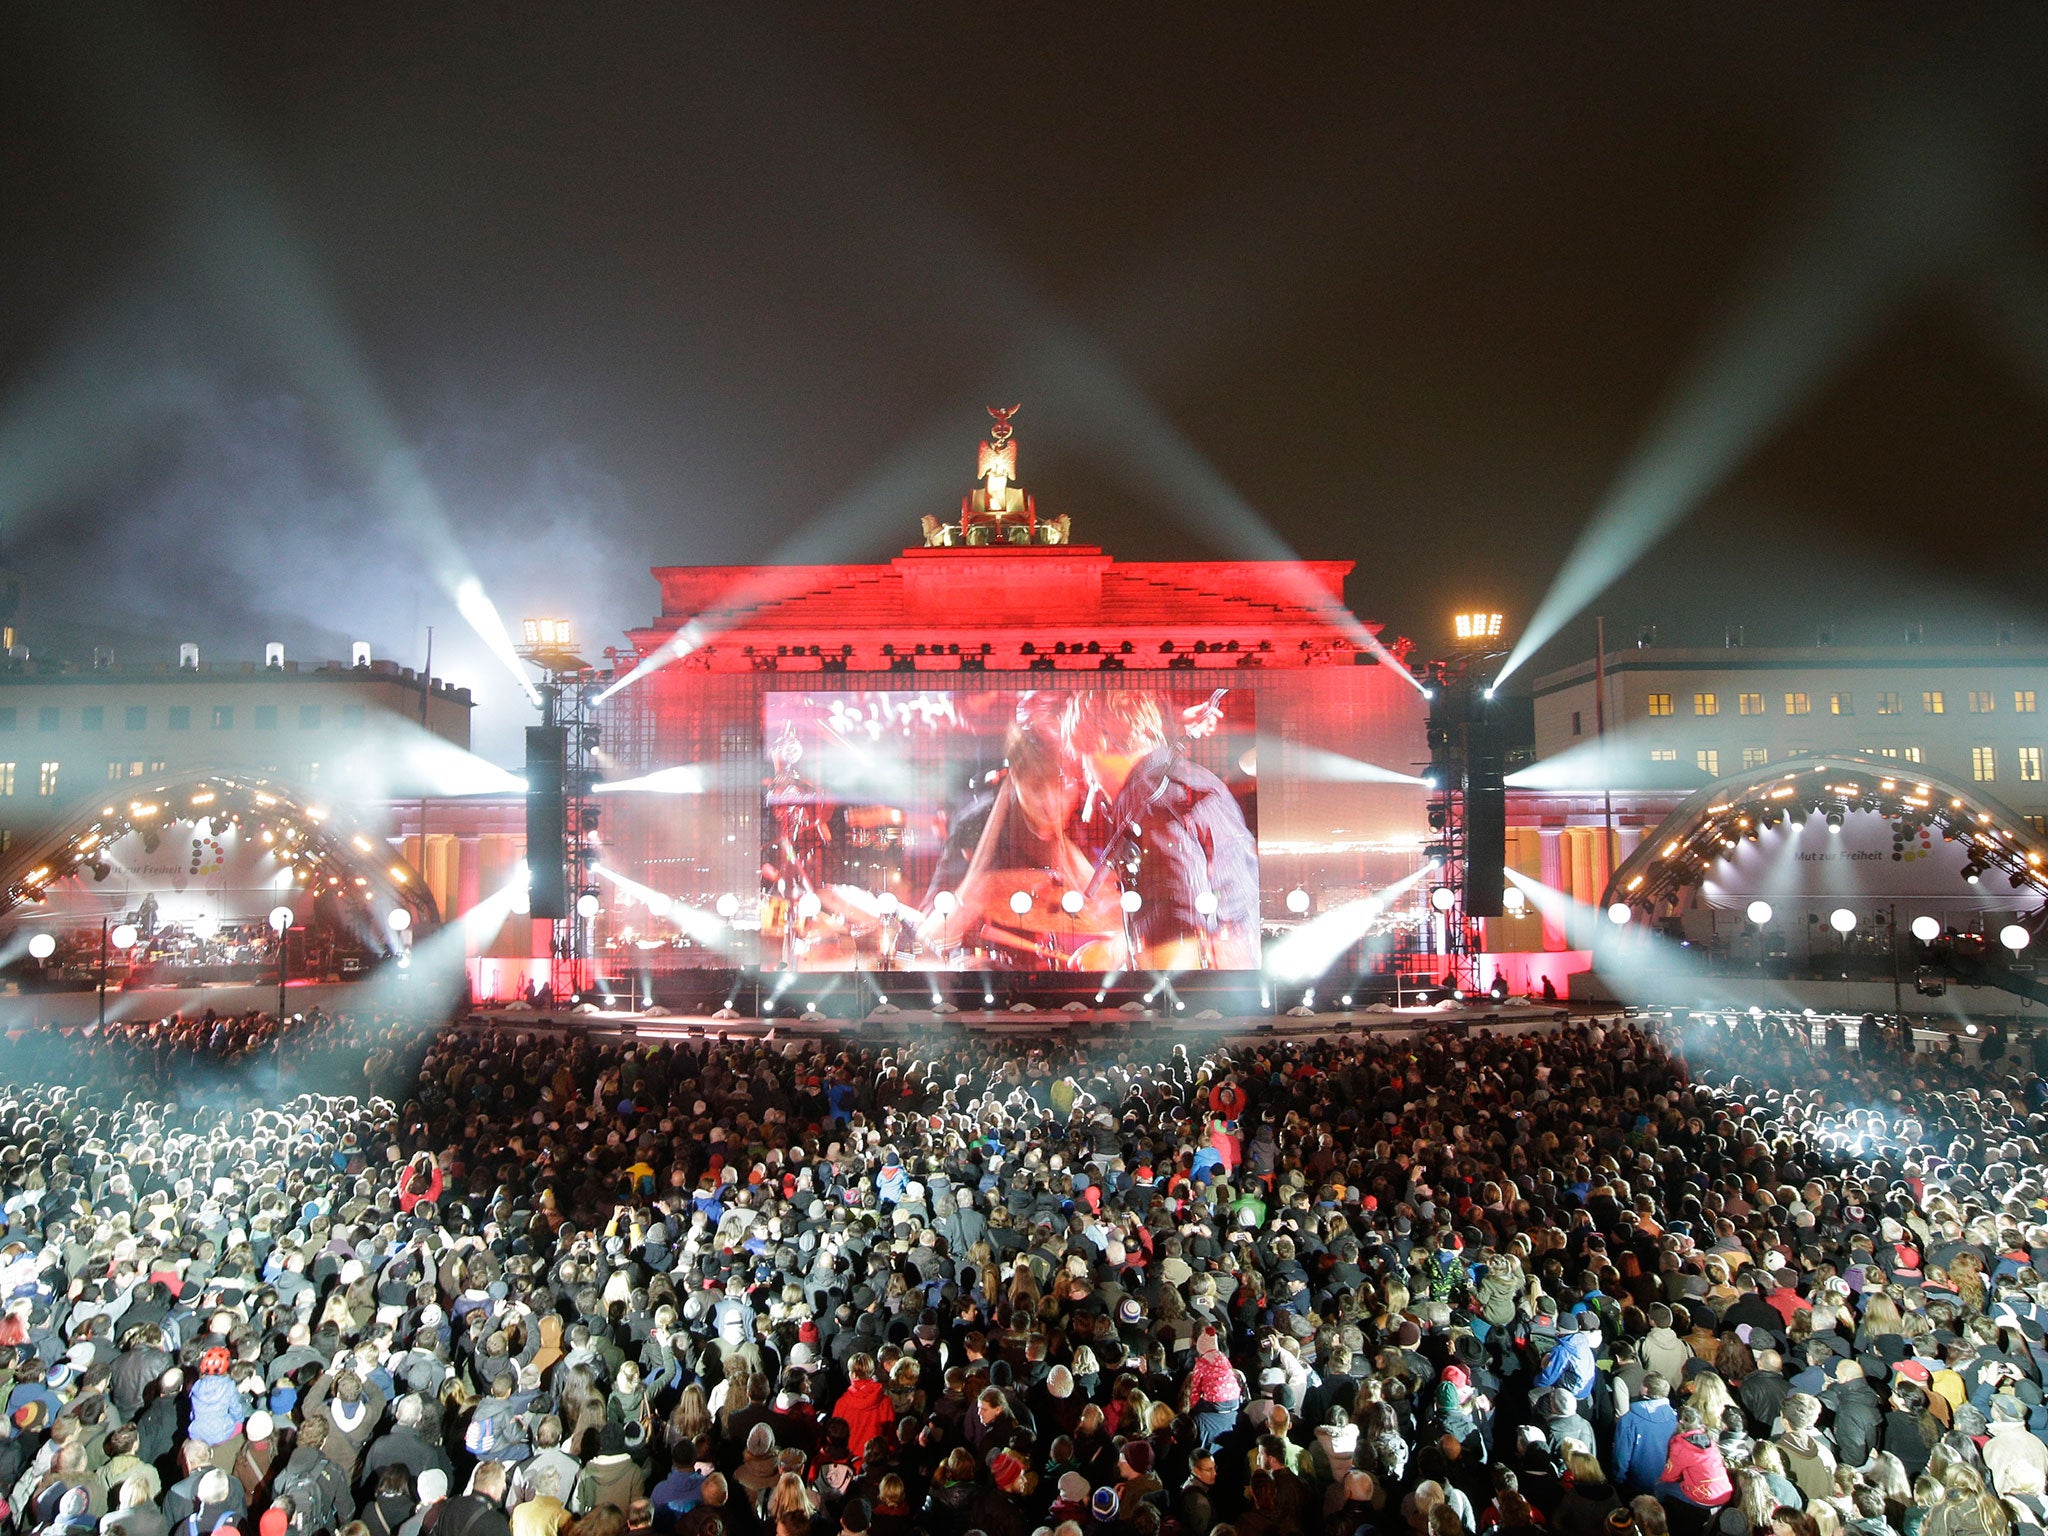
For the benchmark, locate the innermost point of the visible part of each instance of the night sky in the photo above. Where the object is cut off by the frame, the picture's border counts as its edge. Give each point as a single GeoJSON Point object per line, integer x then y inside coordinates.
{"type": "Point", "coordinates": [1412, 286]}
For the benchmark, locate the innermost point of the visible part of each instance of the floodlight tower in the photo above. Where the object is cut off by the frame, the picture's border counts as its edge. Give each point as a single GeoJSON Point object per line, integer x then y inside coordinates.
{"type": "Point", "coordinates": [1467, 769]}
{"type": "Point", "coordinates": [561, 809]}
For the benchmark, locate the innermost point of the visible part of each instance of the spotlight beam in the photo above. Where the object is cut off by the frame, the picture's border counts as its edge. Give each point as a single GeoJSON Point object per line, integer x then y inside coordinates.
{"type": "Point", "coordinates": [235, 237]}
{"type": "Point", "coordinates": [1314, 947]}
{"type": "Point", "coordinates": [1335, 768]}
{"type": "Point", "coordinates": [686, 779]}
{"type": "Point", "coordinates": [699, 925]}
{"type": "Point", "coordinates": [1639, 962]}
{"type": "Point", "coordinates": [1091, 401]}
{"type": "Point", "coordinates": [1922, 195]}
{"type": "Point", "coordinates": [1593, 765]}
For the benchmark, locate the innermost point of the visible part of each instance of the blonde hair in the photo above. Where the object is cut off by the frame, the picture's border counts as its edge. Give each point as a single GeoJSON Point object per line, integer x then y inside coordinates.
{"type": "Point", "coordinates": [1711, 1396]}
{"type": "Point", "coordinates": [1966, 1488]}
{"type": "Point", "coordinates": [1583, 1466]}
{"type": "Point", "coordinates": [790, 1496]}
{"type": "Point", "coordinates": [691, 1416]}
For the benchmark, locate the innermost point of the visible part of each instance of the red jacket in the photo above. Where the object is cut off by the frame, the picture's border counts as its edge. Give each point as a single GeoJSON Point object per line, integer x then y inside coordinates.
{"type": "Point", "coordinates": [408, 1197]}
{"type": "Point", "coordinates": [866, 1409]}
{"type": "Point", "coordinates": [1699, 1471]}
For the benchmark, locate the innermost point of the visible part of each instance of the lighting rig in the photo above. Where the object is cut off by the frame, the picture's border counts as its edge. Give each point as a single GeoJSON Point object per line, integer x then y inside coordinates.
{"type": "Point", "coordinates": [1724, 816]}
{"type": "Point", "coordinates": [1467, 806]}
{"type": "Point", "coordinates": [561, 808]}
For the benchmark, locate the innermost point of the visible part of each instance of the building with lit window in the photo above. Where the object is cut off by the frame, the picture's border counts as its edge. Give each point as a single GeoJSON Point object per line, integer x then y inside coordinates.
{"type": "Point", "coordinates": [70, 731]}
{"type": "Point", "coordinates": [1678, 718]}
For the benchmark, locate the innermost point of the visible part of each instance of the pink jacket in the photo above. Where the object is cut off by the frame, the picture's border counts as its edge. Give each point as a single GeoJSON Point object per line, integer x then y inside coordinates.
{"type": "Point", "coordinates": [1694, 1463]}
{"type": "Point", "coordinates": [1227, 1147]}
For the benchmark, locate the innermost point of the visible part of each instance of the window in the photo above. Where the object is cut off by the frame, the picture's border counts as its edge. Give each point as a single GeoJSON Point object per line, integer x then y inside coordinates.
{"type": "Point", "coordinates": [2038, 824]}
{"type": "Point", "coordinates": [1889, 703]}
{"type": "Point", "coordinates": [1706, 703]}
{"type": "Point", "coordinates": [1750, 703]}
{"type": "Point", "coordinates": [6, 778]}
{"type": "Point", "coordinates": [179, 717]}
{"type": "Point", "coordinates": [1709, 761]}
{"type": "Point", "coordinates": [2030, 765]}
{"type": "Point", "coordinates": [351, 717]}
{"type": "Point", "coordinates": [1841, 703]}
{"type": "Point", "coordinates": [1983, 764]}
{"type": "Point", "coordinates": [1913, 755]}
{"type": "Point", "coordinates": [1799, 751]}
{"type": "Point", "coordinates": [135, 717]}
{"type": "Point", "coordinates": [1982, 702]}
{"type": "Point", "coordinates": [1933, 702]}
{"type": "Point", "coordinates": [1660, 703]}
{"type": "Point", "coordinates": [48, 783]}
{"type": "Point", "coordinates": [2023, 701]}
{"type": "Point", "coordinates": [92, 718]}
{"type": "Point", "coordinates": [1755, 757]}
{"type": "Point", "coordinates": [309, 718]}
{"type": "Point", "coordinates": [266, 717]}
{"type": "Point", "coordinates": [1798, 704]}
{"type": "Point", "coordinates": [46, 719]}
{"type": "Point", "coordinates": [223, 717]}
{"type": "Point", "coordinates": [1887, 751]}
{"type": "Point", "coordinates": [1663, 754]}
{"type": "Point", "coordinates": [115, 770]}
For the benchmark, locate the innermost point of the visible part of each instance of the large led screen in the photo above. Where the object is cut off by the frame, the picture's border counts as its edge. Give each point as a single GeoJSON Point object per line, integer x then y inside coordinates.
{"type": "Point", "coordinates": [1087, 830]}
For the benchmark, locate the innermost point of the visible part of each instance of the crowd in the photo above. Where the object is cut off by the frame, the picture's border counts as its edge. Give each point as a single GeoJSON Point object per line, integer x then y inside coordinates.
{"type": "Point", "coordinates": [1619, 1278]}
{"type": "Point", "coordinates": [216, 1055]}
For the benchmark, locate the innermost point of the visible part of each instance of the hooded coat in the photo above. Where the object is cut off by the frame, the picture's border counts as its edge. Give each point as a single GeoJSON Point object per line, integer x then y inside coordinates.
{"type": "Point", "coordinates": [866, 1409]}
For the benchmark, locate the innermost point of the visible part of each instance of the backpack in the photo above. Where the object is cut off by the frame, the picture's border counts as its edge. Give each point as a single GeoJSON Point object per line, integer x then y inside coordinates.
{"type": "Point", "coordinates": [836, 1480]}
{"type": "Point", "coordinates": [313, 1503]}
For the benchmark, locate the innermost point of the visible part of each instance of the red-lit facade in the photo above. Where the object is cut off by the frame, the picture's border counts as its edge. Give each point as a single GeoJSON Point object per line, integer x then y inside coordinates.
{"type": "Point", "coordinates": [999, 601]}
{"type": "Point", "coordinates": [1025, 617]}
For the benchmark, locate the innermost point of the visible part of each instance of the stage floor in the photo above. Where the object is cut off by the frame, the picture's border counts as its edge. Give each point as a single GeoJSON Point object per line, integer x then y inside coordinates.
{"type": "Point", "coordinates": [1150, 1024]}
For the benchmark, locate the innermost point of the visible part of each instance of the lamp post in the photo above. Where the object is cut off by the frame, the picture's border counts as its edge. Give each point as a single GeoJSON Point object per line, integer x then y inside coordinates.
{"type": "Point", "coordinates": [1898, 991]}
{"type": "Point", "coordinates": [120, 936]}
{"type": "Point", "coordinates": [281, 925]}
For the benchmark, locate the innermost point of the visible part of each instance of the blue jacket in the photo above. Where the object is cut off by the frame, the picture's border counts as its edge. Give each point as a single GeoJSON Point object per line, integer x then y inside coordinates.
{"type": "Point", "coordinates": [1642, 1440]}
{"type": "Point", "coordinates": [218, 1409]}
{"type": "Point", "coordinates": [1572, 1365]}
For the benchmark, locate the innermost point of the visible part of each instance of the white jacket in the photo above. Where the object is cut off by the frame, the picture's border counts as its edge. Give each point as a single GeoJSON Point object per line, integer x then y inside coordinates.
{"type": "Point", "coordinates": [2016, 1460]}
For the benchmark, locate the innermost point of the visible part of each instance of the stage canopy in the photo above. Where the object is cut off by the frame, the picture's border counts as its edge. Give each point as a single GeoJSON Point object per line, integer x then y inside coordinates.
{"type": "Point", "coordinates": [1832, 830]}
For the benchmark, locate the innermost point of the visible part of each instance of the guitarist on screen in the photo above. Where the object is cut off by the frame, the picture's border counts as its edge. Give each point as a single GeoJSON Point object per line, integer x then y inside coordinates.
{"type": "Point", "coordinates": [1022, 831]}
